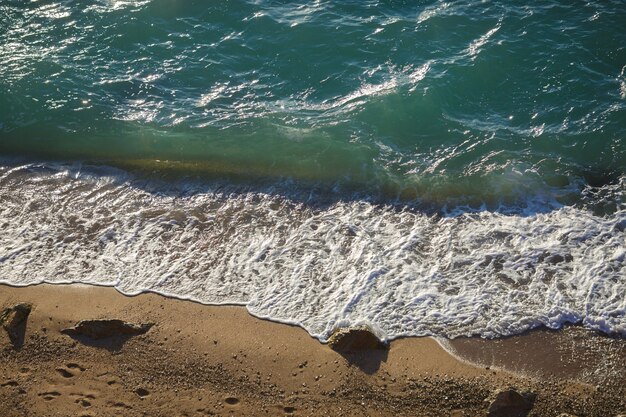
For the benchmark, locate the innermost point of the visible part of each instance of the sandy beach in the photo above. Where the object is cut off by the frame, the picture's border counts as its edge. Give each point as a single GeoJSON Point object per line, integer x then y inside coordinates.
{"type": "Point", "coordinates": [219, 360]}
{"type": "Point", "coordinates": [330, 208]}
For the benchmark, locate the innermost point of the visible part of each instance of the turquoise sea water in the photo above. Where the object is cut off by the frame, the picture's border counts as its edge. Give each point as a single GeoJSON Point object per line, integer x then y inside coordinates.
{"type": "Point", "coordinates": [455, 96]}
{"type": "Point", "coordinates": [312, 134]}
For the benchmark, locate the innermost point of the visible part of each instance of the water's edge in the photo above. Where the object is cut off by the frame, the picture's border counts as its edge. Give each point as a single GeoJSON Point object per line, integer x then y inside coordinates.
{"type": "Point", "coordinates": [404, 272]}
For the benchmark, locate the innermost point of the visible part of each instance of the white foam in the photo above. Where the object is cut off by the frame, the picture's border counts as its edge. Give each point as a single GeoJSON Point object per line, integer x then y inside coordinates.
{"type": "Point", "coordinates": [405, 272]}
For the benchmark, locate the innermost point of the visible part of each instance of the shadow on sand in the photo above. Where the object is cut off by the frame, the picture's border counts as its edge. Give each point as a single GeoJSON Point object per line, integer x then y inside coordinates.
{"type": "Point", "coordinates": [368, 361]}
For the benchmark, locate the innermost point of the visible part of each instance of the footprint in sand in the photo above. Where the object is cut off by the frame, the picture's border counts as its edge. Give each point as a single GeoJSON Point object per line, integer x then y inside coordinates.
{"type": "Point", "coordinates": [142, 392]}
{"type": "Point", "coordinates": [70, 370]}
{"type": "Point", "coordinates": [108, 378]}
{"type": "Point", "coordinates": [64, 373]}
{"type": "Point", "coordinates": [84, 402]}
{"type": "Point", "coordinates": [75, 366]}
{"type": "Point", "coordinates": [119, 404]}
{"type": "Point", "coordinates": [50, 395]}
{"type": "Point", "coordinates": [83, 399]}
{"type": "Point", "coordinates": [231, 400]}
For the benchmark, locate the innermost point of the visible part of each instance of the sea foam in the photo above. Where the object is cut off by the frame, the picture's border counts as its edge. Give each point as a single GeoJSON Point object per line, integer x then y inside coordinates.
{"type": "Point", "coordinates": [402, 270]}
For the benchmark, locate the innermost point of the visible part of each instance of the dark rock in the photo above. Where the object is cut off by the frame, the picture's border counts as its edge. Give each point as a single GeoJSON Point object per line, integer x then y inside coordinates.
{"type": "Point", "coordinates": [510, 403]}
{"type": "Point", "coordinates": [13, 320]}
{"type": "Point", "coordinates": [355, 339]}
{"type": "Point", "coordinates": [102, 329]}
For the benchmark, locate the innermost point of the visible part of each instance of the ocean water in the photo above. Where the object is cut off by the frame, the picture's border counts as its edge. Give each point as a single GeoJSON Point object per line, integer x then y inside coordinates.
{"type": "Point", "coordinates": [424, 167]}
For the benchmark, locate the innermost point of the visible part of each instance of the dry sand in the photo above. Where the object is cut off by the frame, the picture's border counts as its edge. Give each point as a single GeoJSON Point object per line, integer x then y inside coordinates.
{"type": "Point", "coordinates": [202, 360]}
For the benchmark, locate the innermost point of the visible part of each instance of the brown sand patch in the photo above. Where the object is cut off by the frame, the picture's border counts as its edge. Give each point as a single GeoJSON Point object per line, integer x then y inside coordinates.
{"type": "Point", "coordinates": [201, 360]}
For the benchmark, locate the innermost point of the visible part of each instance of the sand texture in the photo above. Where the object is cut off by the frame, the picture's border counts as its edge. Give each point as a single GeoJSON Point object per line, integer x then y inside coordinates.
{"type": "Point", "coordinates": [197, 360]}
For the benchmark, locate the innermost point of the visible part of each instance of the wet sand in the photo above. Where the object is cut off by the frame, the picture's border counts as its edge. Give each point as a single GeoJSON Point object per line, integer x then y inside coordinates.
{"type": "Point", "coordinates": [200, 360]}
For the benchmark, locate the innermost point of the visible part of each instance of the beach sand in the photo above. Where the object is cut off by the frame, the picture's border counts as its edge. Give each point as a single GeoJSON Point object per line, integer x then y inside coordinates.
{"type": "Point", "coordinates": [199, 360]}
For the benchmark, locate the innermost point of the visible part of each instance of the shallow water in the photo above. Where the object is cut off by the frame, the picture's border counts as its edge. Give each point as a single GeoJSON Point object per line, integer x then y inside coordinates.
{"type": "Point", "coordinates": [446, 168]}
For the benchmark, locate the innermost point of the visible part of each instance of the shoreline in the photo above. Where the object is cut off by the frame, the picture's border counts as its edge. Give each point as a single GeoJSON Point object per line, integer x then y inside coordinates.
{"type": "Point", "coordinates": [200, 359]}
{"type": "Point", "coordinates": [277, 254]}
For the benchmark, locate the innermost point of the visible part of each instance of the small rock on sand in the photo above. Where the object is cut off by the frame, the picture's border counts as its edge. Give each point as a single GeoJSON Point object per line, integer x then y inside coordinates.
{"type": "Point", "coordinates": [355, 339]}
{"type": "Point", "coordinates": [510, 403]}
{"type": "Point", "coordinates": [101, 329]}
{"type": "Point", "coordinates": [13, 320]}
